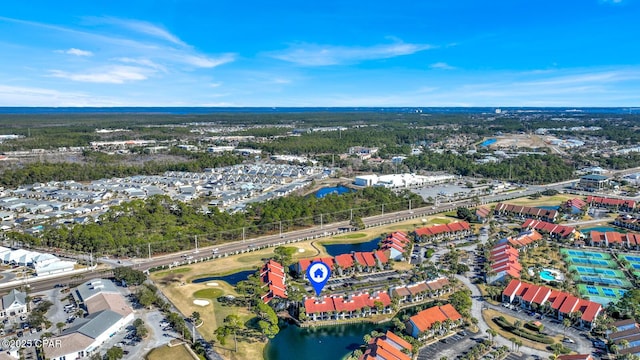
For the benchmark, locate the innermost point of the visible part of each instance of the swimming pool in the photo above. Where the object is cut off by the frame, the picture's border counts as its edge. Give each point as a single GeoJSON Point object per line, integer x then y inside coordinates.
{"type": "Point", "coordinates": [547, 276]}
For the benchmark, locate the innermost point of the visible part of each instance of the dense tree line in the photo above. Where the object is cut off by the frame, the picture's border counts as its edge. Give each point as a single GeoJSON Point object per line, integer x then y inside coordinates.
{"type": "Point", "coordinates": [527, 169]}
{"type": "Point", "coordinates": [44, 172]}
{"type": "Point", "coordinates": [171, 225]}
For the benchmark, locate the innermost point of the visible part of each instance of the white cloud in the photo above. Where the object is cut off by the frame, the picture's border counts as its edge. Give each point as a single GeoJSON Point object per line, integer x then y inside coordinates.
{"type": "Point", "coordinates": [611, 1]}
{"type": "Point", "coordinates": [203, 61]}
{"type": "Point", "coordinates": [107, 75]}
{"type": "Point", "coordinates": [144, 62]}
{"type": "Point", "coordinates": [142, 27]}
{"type": "Point", "coordinates": [441, 66]}
{"type": "Point", "coordinates": [323, 55]}
{"type": "Point", "coordinates": [215, 85]}
{"type": "Point", "coordinates": [77, 52]}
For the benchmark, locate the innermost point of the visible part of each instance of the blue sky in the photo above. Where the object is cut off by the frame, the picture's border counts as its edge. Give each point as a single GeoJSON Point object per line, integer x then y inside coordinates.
{"type": "Point", "coordinates": [331, 53]}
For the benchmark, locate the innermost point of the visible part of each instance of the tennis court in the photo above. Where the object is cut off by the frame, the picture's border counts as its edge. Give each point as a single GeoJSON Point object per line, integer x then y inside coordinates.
{"type": "Point", "coordinates": [584, 270]}
{"type": "Point", "coordinates": [630, 258]}
{"type": "Point", "coordinates": [600, 294]}
{"type": "Point", "coordinates": [604, 280]}
{"type": "Point", "coordinates": [593, 262]}
{"type": "Point", "coordinates": [586, 254]}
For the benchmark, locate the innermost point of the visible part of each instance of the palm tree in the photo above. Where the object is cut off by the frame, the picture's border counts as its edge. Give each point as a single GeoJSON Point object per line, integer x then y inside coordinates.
{"type": "Point", "coordinates": [513, 343]}
{"type": "Point", "coordinates": [492, 333]}
{"type": "Point", "coordinates": [518, 344]}
{"type": "Point", "coordinates": [566, 323]}
{"type": "Point", "coordinates": [624, 343]}
{"type": "Point", "coordinates": [59, 325]}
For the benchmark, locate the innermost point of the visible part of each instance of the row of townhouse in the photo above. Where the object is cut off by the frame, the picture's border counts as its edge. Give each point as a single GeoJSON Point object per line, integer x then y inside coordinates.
{"type": "Point", "coordinates": [336, 307]}
{"type": "Point", "coordinates": [549, 215]}
{"type": "Point", "coordinates": [626, 337]}
{"type": "Point", "coordinates": [628, 222]}
{"type": "Point", "coordinates": [273, 277]}
{"type": "Point", "coordinates": [387, 347]}
{"type": "Point", "coordinates": [524, 240]}
{"type": "Point", "coordinates": [561, 304]}
{"type": "Point", "coordinates": [611, 203]}
{"type": "Point", "coordinates": [614, 239]}
{"type": "Point", "coordinates": [443, 231]}
{"type": "Point", "coordinates": [553, 230]}
{"type": "Point", "coordinates": [395, 245]}
{"type": "Point", "coordinates": [421, 291]}
{"type": "Point", "coordinates": [345, 264]}
{"type": "Point", "coordinates": [433, 321]}
{"type": "Point", "coordinates": [504, 260]}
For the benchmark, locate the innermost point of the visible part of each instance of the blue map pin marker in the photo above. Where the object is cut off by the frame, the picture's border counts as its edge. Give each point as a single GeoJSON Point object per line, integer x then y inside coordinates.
{"type": "Point", "coordinates": [318, 273]}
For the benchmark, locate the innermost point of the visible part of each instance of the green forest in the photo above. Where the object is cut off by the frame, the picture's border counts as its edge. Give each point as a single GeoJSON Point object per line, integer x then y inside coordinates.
{"type": "Point", "coordinates": [169, 225]}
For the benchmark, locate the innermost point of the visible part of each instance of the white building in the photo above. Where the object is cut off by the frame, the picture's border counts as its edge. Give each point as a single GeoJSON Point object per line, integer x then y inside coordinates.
{"type": "Point", "coordinates": [401, 180]}
{"type": "Point", "coordinates": [14, 303]}
{"type": "Point", "coordinates": [108, 314]}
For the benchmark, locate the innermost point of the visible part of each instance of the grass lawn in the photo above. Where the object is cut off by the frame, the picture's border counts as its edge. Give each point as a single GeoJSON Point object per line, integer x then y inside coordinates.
{"type": "Point", "coordinates": [489, 314]}
{"type": "Point", "coordinates": [178, 270]}
{"type": "Point", "coordinates": [170, 353]}
{"type": "Point", "coordinates": [210, 294]}
{"type": "Point", "coordinates": [542, 201]}
{"type": "Point", "coordinates": [351, 236]}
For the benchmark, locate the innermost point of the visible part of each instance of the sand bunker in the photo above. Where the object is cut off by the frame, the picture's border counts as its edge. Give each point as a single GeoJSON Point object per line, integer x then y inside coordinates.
{"type": "Point", "coordinates": [200, 302]}
{"type": "Point", "coordinates": [212, 284]}
{"type": "Point", "coordinates": [301, 250]}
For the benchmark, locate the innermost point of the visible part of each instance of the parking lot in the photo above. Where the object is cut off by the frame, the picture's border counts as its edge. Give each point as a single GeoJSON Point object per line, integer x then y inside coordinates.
{"type": "Point", "coordinates": [449, 347]}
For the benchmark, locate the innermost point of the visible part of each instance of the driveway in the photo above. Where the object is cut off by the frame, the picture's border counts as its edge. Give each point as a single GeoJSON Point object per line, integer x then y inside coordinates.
{"type": "Point", "coordinates": [476, 312]}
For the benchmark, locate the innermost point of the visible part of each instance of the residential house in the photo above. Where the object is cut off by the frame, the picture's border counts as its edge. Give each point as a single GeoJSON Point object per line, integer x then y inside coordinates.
{"type": "Point", "coordinates": [395, 245]}
{"type": "Point", "coordinates": [504, 263]}
{"type": "Point", "coordinates": [611, 203]}
{"type": "Point", "coordinates": [553, 230]}
{"type": "Point", "coordinates": [562, 304]}
{"type": "Point", "coordinates": [424, 321]}
{"type": "Point", "coordinates": [482, 214]}
{"type": "Point", "coordinates": [549, 215]}
{"type": "Point", "coordinates": [629, 331]}
{"type": "Point", "coordinates": [387, 347]}
{"type": "Point", "coordinates": [273, 277]}
{"type": "Point", "coordinates": [13, 304]}
{"type": "Point", "coordinates": [611, 239]}
{"type": "Point", "coordinates": [347, 307]}
{"type": "Point", "coordinates": [443, 231]}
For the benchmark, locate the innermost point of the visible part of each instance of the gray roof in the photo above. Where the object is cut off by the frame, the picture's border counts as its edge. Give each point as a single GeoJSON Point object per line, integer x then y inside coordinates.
{"type": "Point", "coordinates": [594, 177]}
{"type": "Point", "coordinates": [96, 324]}
{"type": "Point", "coordinates": [93, 287]}
{"type": "Point", "coordinates": [12, 297]}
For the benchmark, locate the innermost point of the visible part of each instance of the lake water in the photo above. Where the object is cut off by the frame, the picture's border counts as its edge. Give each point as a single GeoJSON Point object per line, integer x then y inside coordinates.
{"type": "Point", "coordinates": [488, 142]}
{"type": "Point", "coordinates": [331, 190]}
{"type": "Point", "coordinates": [231, 279]}
{"type": "Point", "coordinates": [337, 249]}
{"type": "Point", "coordinates": [322, 343]}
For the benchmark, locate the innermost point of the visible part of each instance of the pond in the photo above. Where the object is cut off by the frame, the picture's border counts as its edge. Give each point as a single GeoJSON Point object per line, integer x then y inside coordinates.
{"type": "Point", "coordinates": [232, 279]}
{"type": "Point", "coordinates": [488, 142]}
{"type": "Point", "coordinates": [599, 229]}
{"type": "Point", "coordinates": [331, 190]}
{"type": "Point", "coordinates": [329, 342]}
{"type": "Point", "coordinates": [337, 249]}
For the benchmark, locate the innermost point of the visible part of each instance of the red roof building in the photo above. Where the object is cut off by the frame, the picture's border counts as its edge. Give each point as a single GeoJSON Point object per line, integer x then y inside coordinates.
{"type": "Point", "coordinates": [526, 211]}
{"type": "Point", "coordinates": [387, 347]}
{"type": "Point", "coordinates": [611, 202]}
{"type": "Point", "coordinates": [557, 231]}
{"type": "Point", "coordinates": [425, 319]}
{"type": "Point", "coordinates": [614, 239]}
{"type": "Point", "coordinates": [273, 277]}
{"type": "Point", "coordinates": [450, 229]}
{"type": "Point", "coordinates": [563, 303]}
